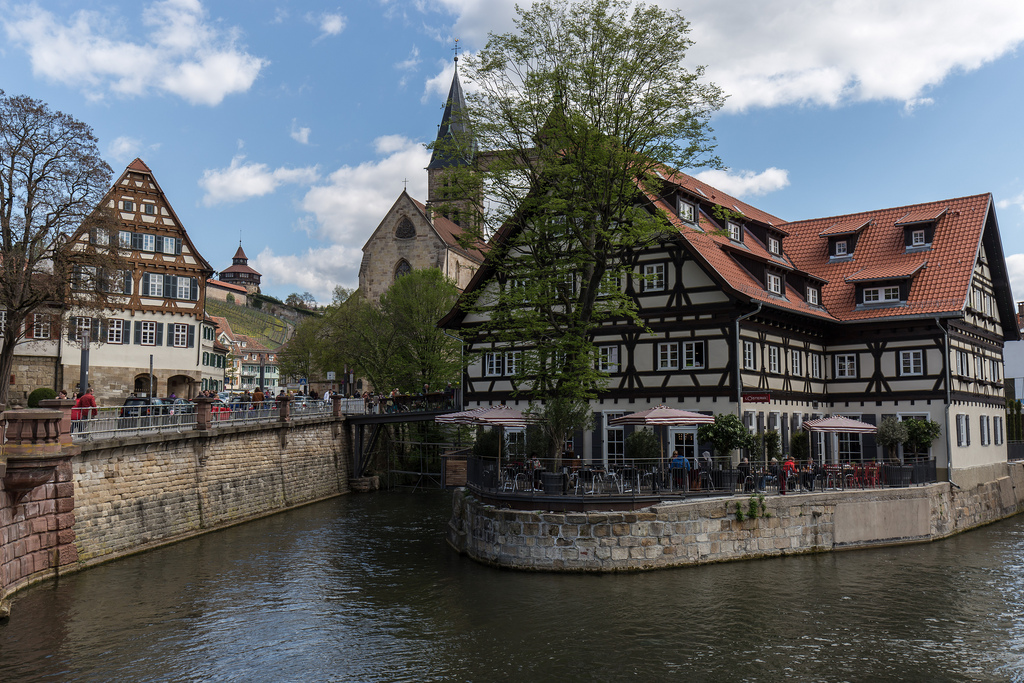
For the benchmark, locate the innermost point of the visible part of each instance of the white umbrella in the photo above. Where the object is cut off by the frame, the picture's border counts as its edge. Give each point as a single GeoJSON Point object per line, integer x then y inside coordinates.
{"type": "Point", "coordinates": [663, 415]}
{"type": "Point", "coordinates": [836, 424]}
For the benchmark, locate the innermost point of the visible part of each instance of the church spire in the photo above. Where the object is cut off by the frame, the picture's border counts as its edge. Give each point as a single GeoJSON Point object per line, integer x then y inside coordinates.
{"type": "Point", "coordinates": [453, 128]}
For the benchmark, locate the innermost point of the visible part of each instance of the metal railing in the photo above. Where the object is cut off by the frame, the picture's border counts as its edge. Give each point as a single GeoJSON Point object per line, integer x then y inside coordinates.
{"type": "Point", "coordinates": [242, 412]}
{"type": "Point", "coordinates": [119, 422]}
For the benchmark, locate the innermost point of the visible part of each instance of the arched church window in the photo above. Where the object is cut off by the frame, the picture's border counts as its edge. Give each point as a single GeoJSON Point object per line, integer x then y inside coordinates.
{"type": "Point", "coordinates": [405, 229]}
{"type": "Point", "coordinates": [403, 268]}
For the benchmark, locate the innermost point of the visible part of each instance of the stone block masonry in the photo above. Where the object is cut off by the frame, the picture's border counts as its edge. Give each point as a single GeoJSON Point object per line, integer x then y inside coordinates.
{"type": "Point", "coordinates": [690, 533]}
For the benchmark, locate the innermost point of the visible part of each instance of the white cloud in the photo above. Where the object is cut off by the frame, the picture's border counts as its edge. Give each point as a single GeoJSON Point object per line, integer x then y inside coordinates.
{"type": "Point", "coordinates": [1015, 271]}
{"type": "Point", "coordinates": [1017, 201]}
{"type": "Point", "coordinates": [124, 148]}
{"type": "Point", "coordinates": [330, 24]}
{"type": "Point", "coordinates": [411, 62]}
{"type": "Point", "coordinates": [184, 54]}
{"type": "Point", "coordinates": [350, 206]}
{"type": "Point", "coordinates": [826, 52]}
{"type": "Point", "coordinates": [241, 181]}
{"type": "Point", "coordinates": [300, 134]}
{"type": "Point", "coordinates": [746, 183]}
{"type": "Point", "coordinates": [316, 271]}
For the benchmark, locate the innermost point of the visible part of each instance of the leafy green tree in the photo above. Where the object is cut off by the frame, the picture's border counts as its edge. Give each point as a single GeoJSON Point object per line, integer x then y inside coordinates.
{"type": "Point", "coordinates": [800, 445]}
{"type": "Point", "coordinates": [556, 418]}
{"type": "Point", "coordinates": [579, 110]}
{"type": "Point", "coordinates": [642, 445]}
{"type": "Point", "coordinates": [301, 355]}
{"type": "Point", "coordinates": [726, 433]}
{"type": "Point", "coordinates": [891, 434]}
{"type": "Point", "coordinates": [921, 434]}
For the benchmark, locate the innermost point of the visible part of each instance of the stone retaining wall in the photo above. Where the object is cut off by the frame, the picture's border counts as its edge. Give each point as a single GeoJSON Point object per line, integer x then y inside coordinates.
{"type": "Point", "coordinates": [690, 533]}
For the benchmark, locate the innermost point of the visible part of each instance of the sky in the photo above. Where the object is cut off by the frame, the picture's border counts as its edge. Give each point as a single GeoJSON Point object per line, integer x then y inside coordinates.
{"type": "Point", "coordinates": [292, 126]}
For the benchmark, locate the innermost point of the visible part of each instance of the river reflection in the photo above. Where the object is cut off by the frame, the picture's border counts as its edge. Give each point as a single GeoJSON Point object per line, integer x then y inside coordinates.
{"type": "Point", "coordinates": [363, 588]}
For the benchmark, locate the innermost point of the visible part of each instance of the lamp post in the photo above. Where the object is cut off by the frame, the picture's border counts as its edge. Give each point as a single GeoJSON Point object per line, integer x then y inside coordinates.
{"type": "Point", "coordinates": [83, 373]}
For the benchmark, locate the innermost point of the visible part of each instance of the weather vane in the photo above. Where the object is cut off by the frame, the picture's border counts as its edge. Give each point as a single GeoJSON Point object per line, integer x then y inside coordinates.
{"type": "Point", "coordinates": [456, 49]}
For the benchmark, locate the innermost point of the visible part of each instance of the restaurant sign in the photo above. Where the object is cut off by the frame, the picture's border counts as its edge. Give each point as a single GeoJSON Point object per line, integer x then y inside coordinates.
{"type": "Point", "coordinates": [757, 397]}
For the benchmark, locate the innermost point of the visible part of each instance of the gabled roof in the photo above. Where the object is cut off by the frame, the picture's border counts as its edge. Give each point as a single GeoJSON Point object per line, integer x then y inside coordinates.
{"type": "Point", "coordinates": [845, 227]}
{"type": "Point", "coordinates": [226, 285]}
{"type": "Point", "coordinates": [890, 271]}
{"type": "Point", "coordinates": [449, 232]}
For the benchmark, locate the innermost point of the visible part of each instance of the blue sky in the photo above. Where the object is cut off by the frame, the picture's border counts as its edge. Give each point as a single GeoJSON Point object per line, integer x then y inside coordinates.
{"type": "Point", "coordinates": [293, 124]}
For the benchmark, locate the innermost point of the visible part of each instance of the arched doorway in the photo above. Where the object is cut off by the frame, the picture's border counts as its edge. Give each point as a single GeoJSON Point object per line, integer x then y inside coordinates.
{"type": "Point", "coordinates": [180, 386]}
{"type": "Point", "coordinates": [141, 385]}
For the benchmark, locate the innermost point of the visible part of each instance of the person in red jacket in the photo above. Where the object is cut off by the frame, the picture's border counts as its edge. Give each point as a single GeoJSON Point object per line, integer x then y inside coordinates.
{"type": "Point", "coordinates": [86, 404]}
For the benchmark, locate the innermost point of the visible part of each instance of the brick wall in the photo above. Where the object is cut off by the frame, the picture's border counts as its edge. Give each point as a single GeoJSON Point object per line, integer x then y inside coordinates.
{"type": "Point", "coordinates": [700, 532]}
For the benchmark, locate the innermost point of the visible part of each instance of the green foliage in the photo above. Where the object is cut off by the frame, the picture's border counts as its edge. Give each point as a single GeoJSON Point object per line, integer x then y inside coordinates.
{"type": "Point", "coordinates": [487, 441]}
{"type": "Point", "coordinates": [725, 434]}
{"type": "Point", "coordinates": [230, 298]}
{"type": "Point", "coordinates": [1014, 421]}
{"type": "Point", "coordinates": [756, 507]}
{"type": "Point", "coordinates": [40, 394]}
{"type": "Point", "coordinates": [891, 433]}
{"type": "Point", "coordinates": [739, 512]}
{"type": "Point", "coordinates": [643, 445]}
{"type": "Point", "coordinates": [599, 105]}
{"type": "Point", "coordinates": [723, 214]}
{"type": "Point", "coordinates": [921, 433]}
{"type": "Point", "coordinates": [800, 445]}
{"type": "Point", "coordinates": [772, 444]}
{"type": "Point", "coordinates": [558, 417]}
{"type": "Point", "coordinates": [267, 329]}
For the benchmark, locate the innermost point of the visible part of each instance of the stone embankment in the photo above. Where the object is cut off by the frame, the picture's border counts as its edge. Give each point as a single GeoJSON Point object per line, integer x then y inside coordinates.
{"type": "Point", "coordinates": [700, 532]}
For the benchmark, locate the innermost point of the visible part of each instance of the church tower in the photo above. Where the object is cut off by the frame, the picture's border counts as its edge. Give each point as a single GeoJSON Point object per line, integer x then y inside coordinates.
{"type": "Point", "coordinates": [455, 148]}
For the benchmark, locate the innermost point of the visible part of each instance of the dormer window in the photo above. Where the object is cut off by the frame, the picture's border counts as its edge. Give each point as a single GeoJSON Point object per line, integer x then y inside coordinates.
{"type": "Point", "coordinates": [919, 227]}
{"type": "Point", "coordinates": [735, 232]}
{"type": "Point", "coordinates": [774, 283]}
{"type": "Point", "coordinates": [876, 295]}
{"type": "Point", "coordinates": [917, 238]}
{"type": "Point", "coordinates": [840, 248]}
{"type": "Point", "coordinates": [812, 296]}
{"type": "Point", "coordinates": [775, 246]}
{"type": "Point", "coordinates": [686, 211]}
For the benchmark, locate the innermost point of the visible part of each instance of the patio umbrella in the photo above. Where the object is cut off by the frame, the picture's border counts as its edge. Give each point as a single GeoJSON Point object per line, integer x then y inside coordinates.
{"type": "Point", "coordinates": [836, 424]}
{"type": "Point", "coordinates": [663, 415]}
{"type": "Point", "coordinates": [500, 416]}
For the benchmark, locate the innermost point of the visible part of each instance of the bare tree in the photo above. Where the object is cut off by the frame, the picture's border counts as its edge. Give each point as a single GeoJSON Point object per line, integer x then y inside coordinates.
{"type": "Point", "coordinates": [59, 248]}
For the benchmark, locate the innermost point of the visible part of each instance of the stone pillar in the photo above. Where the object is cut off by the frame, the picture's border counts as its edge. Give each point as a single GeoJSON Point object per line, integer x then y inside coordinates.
{"type": "Point", "coordinates": [204, 414]}
{"type": "Point", "coordinates": [65, 405]}
{"type": "Point", "coordinates": [336, 404]}
{"type": "Point", "coordinates": [284, 408]}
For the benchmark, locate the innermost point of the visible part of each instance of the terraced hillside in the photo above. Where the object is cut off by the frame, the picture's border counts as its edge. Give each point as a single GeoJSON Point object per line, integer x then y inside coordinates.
{"type": "Point", "coordinates": [269, 330]}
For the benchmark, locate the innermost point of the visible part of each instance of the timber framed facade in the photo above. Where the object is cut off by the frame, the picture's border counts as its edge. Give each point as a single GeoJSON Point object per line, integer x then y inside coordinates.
{"type": "Point", "coordinates": [900, 311]}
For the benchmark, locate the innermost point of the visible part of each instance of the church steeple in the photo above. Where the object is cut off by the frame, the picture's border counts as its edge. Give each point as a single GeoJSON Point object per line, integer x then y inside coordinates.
{"type": "Point", "coordinates": [453, 129]}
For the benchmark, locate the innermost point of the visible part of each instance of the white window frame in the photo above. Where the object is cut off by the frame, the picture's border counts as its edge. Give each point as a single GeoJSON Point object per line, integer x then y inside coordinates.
{"type": "Point", "coordinates": [40, 326]}
{"type": "Point", "coordinates": [654, 277]}
{"type": "Point", "coordinates": [102, 237]}
{"type": "Point", "coordinates": [735, 231]}
{"type": "Point", "coordinates": [845, 365]}
{"type": "Point", "coordinates": [170, 245]}
{"type": "Point", "coordinates": [156, 285]}
{"type": "Point", "coordinates": [841, 248]}
{"type": "Point", "coordinates": [984, 430]}
{"type": "Point", "coordinates": [512, 359]}
{"type": "Point", "coordinates": [124, 239]}
{"type": "Point", "coordinates": [963, 363]}
{"type": "Point", "coordinates": [815, 366]}
{"type": "Point", "coordinates": [147, 333]}
{"type": "Point", "coordinates": [775, 246]}
{"type": "Point", "coordinates": [668, 356]}
{"type": "Point", "coordinates": [687, 211]}
{"type": "Point", "coordinates": [917, 238]}
{"type": "Point", "coordinates": [115, 331]}
{"type": "Point", "coordinates": [184, 285]}
{"type": "Point", "coordinates": [608, 358]}
{"type": "Point", "coordinates": [994, 369]}
{"type": "Point", "coordinates": [773, 359]}
{"type": "Point", "coordinates": [774, 283]}
{"type": "Point", "coordinates": [83, 324]}
{"type": "Point", "coordinates": [797, 362]}
{"type": "Point", "coordinates": [874, 295]}
{"type": "Point", "coordinates": [690, 353]}
{"type": "Point", "coordinates": [812, 296]}
{"type": "Point", "coordinates": [148, 242]}
{"type": "Point", "coordinates": [979, 368]}
{"type": "Point", "coordinates": [963, 430]}
{"type": "Point", "coordinates": [749, 356]}
{"type": "Point", "coordinates": [180, 336]}
{"type": "Point", "coordinates": [493, 365]}
{"type": "Point", "coordinates": [997, 430]}
{"type": "Point", "coordinates": [911, 362]}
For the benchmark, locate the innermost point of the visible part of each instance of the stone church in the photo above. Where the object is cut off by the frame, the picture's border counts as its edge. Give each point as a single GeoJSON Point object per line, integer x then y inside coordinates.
{"type": "Point", "coordinates": [414, 235]}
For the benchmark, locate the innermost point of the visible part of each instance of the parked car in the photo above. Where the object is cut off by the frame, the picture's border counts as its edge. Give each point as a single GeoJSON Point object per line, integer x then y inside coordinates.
{"type": "Point", "coordinates": [142, 406]}
{"type": "Point", "coordinates": [220, 410]}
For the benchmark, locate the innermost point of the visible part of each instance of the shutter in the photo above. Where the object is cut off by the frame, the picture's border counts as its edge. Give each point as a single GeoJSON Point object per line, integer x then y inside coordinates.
{"type": "Point", "coordinates": [160, 334]}
{"type": "Point", "coordinates": [597, 446]}
{"type": "Point", "coordinates": [191, 336]}
{"type": "Point", "coordinates": [72, 326]}
{"type": "Point", "coordinates": [126, 332]}
{"type": "Point", "coordinates": [195, 288]}
{"type": "Point", "coordinates": [138, 331]}
{"type": "Point", "coordinates": [869, 445]}
{"type": "Point", "coordinates": [169, 288]}
{"type": "Point", "coordinates": [159, 244]}
{"type": "Point", "coordinates": [177, 246]}
{"type": "Point", "coordinates": [137, 241]}
{"type": "Point", "coordinates": [126, 287]}
{"type": "Point", "coordinates": [145, 287]}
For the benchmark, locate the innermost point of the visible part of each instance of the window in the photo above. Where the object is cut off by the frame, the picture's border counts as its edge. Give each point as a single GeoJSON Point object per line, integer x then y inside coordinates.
{"type": "Point", "coordinates": [849, 447]}
{"type": "Point", "coordinates": [148, 242]}
{"type": "Point", "coordinates": [82, 328]}
{"type": "Point", "coordinates": [774, 246]}
{"type": "Point", "coordinates": [774, 283]}
{"type": "Point", "coordinates": [917, 238]}
{"type": "Point", "coordinates": [979, 367]}
{"type": "Point", "coordinates": [124, 239]}
{"type": "Point", "coordinates": [570, 282]}
{"type": "Point", "coordinates": [492, 364]}
{"type": "Point", "coordinates": [773, 359]}
{"type": "Point", "coordinates": [912, 362]}
{"type": "Point", "coordinates": [149, 209]}
{"type": "Point", "coordinates": [115, 331]}
{"type": "Point", "coordinates": [608, 358]}
{"type": "Point", "coordinates": [170, 245]}
{"type": "Point", "coordinates": [654, 277]}
{"type": "Point", "coordinates": [184, 287]}
{"type": "Point", "coordinates": [815, 366]}
{"type": "Point", "coordinates": [127, 205]}
{"type": "Point", "coordinates": [997, 430]}
{"type": "Point", "coordinates": [668, 356]}
{"type": "Point", "coordinates": [101, 237]}
{"type": "Point", "coordinates": [840, 247]}
{"type": "Point", "coordinates": [148, 334]}
{"type": "Point", "coordinates": [181, 335]}
{"type": "Point", "coordinates": [84, 278]}
{"type": "Point", "coordinates": [40, 326]}
{"type": "Point", "coordinates": [693, 354]}
{"type": "Point", "coordinates": [797, 359]}
{"type": "Point", "coordinates": [963, 430]}
{"type": "Point", "coordinates": [156, 285]}
{"type": "Point", "coordinates": [3, 323]}
{"type": "Point", "coordinates": [812, 296]}
{"type": "Point", "coordinates": [735, 232]}
{"type": "Point", "coordinates": [873, 295]}
{"type": "Point", "coordinates": [985, 431]}
{"type": "Point", "coordinates": [615, 440]}
{"type": "Point", "coordinates": [963, 363]}
{"type": "Point", "coordinates": [610, 284]}
{"type": "Point", "coordinates": [846, 365]}
{"type": "Point", "coordinates": [686, 211]}
{"type": "Point", "coordinates": [993, 370]}
{"type": "Point", "coordinates": [749, 361]}
{"type": "Point", "coordinates": [512, 362]}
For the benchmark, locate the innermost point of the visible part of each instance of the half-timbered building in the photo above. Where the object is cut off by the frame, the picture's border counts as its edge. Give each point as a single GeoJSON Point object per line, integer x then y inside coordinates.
{"type": "Point", "coordinates": [900, 311]}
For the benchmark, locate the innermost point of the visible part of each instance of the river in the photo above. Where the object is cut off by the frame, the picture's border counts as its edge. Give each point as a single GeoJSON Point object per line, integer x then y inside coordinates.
{"type": "Point", "coordinates": [363, 588]}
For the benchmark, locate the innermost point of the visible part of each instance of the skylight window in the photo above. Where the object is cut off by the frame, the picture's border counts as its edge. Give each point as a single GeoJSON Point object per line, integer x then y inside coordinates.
{"type": "Point", "coordinates": [686, 211]}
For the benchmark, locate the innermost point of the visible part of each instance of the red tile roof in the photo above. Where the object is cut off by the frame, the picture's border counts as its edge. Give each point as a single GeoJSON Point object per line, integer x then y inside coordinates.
{"type": "Point", "coordinates": [449, 232]}
{"type": "Point", "coordinates": [226, 285]}
{"type": "Point", "coordinates": [891, 271]}
{"type": "Point", "coordinates": [845, 228]}
{"type": "Point", "coordinates": [922, 216]}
